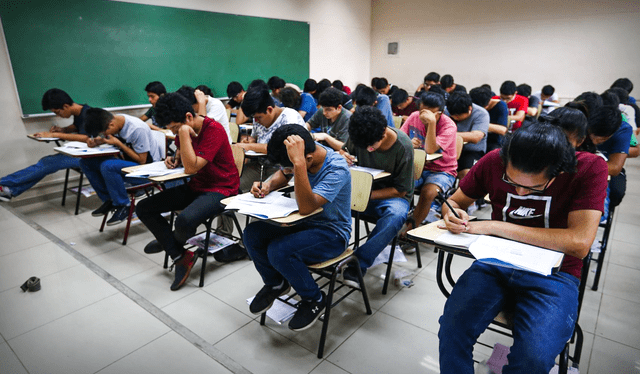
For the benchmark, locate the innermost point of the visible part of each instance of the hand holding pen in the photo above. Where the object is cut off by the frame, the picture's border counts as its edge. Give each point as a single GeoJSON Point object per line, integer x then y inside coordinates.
{"type": "Point", "coordinates": [456, 220]}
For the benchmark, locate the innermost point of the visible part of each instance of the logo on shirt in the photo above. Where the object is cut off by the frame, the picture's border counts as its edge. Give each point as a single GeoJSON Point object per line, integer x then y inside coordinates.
{"type": "Point", "coordinates": [524, 213]}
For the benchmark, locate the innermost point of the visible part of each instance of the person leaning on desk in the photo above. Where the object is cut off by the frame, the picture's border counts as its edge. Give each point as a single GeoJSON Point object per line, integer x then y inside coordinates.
{"type": "Point", "coordinates": [542, 193]}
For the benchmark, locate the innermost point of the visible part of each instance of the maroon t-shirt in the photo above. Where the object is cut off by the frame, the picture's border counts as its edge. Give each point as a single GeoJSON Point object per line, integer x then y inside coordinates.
{"type": "Point", "coordinates": [220, 173]}
{"type": "Point", "coordinates": [412, 107]}
{"type": "Point", "coordinates": [584, 189]}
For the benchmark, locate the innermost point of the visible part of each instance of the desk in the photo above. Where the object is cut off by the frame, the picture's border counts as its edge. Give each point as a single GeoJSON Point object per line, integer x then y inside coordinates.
{"type": "Point", "coordinates": [170, 135]}
{"type": "Point", "coordinates": [45, 140]}
{"type": "Point", "coordinates": [88, 152]}
{"type": "Point", "coordinates": [290, 220]}
{"type": "Point", "coordinates": [254, 154]}
{"type": "Point", "coordinates": [433, 156]}
{"type": "Point", "coordinates": [159, 179]}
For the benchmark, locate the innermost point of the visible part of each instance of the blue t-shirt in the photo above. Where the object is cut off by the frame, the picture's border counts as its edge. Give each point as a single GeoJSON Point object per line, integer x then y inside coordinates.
{"type": "Point", "coordinates": [308, 104]}
{"type": "Point", "coordinates": [619, 142]}
{"type": "Point", "coordinates": [632, 100]}
{"type": "Point", "coordinates": [333, 182]}
{"type": "Point", "coordinates": [385, 107]}
{"type": "Point", "coordinates": [498, 115]}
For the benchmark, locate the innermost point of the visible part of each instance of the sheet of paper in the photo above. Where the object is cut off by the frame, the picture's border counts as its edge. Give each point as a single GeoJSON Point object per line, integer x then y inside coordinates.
{"type": "Point", "coordinates": [371, 171]}
{"type": "Point", "coordinates": [383, 257]}
{"type": "Point", "coordinates": [46, 139]}
{"type": "Point", "coordinates": [154, 169]}
{"type": "Point", "coordinates": [79, 151]}
{"type": "Point", "coordinates": [277, 206]}
{"type": "Point", "coordinates": [254, 154]}
{"type": "Point", "coordinates": [216, 242]}
{"type": "Point", "coordinates": [280, 311]}
{"type": "Point", "coordinates": [462, 240]}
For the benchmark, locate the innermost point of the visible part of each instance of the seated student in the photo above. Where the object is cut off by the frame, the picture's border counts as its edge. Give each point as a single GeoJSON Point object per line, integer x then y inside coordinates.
{"type": "Point", "coordinates": [439, 90]}
{"type": "Point", "coordinates": [433, 131]}
{"type": "Point", "coordinates": [202, 151]}
{"type": "Point", "coordinates": [310, 87]}
{"type": "Point", "coordinates": [488, 87]}
{"type": "Point", "coordinates": [517, 104]}
{"type": "Point", "coordinates": [376, 145]}
{"type": "Point", "coordinates": [275, 84]}
{"type": "Point", "coordinates": [626, 85]}
{"type": "Point", "coordinates": [561, 193]}
{"type": "Point", "coordinates": [235, 93]}
{"type": "Point", "coordinates": [137, 146]}
{"type": "Point", "coordinates": [447, 84]}
{"type": "Point", "coordinates": [154, 91]}
{"type": "Point", "coordinates": [547, 94]}
{"type": "Point", "coordinates": [473, 125]}
{"type": "Point", "coordinates": [304, 103]}
{"type": "Point", "coordinates": [572, 121]}
{"type": "Point", "coordinates": [498, 116]}
{"type": "Point", "coordinates": [525, 91]}
{"type": "Point", "coordinates": [281, 254]}
{"type": "Point", "coordinates": [332, 120]}
{"type": "Point", "coordinates": [383, 87]}
{"type": "Point", "coordinates": [60, 103]}
{"type": "Point", "coordinates": [627, 110]}
{"type": "Point", "coordinates": [322, 85]}
{"type": "Point", "coordinates": [208, 106]}
{"type": "Point", "coordinates": [205, 90]}
{"type": "Point", "coordinates": [402, 104]}
{"type": "Point", "coordinates": [367, 97]}
{"type": "Point", "coordinates": [339, 85]}
{"type": "Point", "coordinates": [429, 80]}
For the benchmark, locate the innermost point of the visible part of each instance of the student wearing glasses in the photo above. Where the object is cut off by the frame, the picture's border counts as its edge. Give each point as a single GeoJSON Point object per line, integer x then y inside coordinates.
{"type": "Point", "coordinates": [542, 193]}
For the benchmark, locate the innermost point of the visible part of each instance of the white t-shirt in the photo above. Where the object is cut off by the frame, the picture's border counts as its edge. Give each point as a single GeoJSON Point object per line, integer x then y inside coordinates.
{"type": "Point", "coordinates": [287, 117]}
{"type": "Point", "coordinates": [217, 112]}
{"type": "Point", "coordinates": [554, 97]}
{"type": "Point", "coordinates": [630, 113]}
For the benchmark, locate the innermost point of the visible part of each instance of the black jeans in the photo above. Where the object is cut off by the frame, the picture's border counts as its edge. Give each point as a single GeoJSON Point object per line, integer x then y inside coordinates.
{"type": "Point", "coordinates": [196, 207]}
{"type": "Point", "coordinates": [617, 188]}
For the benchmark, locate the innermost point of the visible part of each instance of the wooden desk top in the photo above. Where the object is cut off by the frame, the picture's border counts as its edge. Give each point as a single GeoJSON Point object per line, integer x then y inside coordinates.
{"type": "Point", "coordinates": [433, 156]}
{"type": "Point", "coordinates": [162, 178]}
{"type": "Point", "coordinates": [290, 220]}
{"type": "Point", "coordinates": [44, 140]}
{"type": "Point", "coordinates": [77, 152]}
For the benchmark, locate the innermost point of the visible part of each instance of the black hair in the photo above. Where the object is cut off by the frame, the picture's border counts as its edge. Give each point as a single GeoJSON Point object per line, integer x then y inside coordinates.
{"type": "Point", "coordinates": [433, 76]}
{"type": "Point", "coordinates": [539, 147]}
{"type": "Point", "coordinates": [374, 82]}
{"type": "Point", "coordinates": [623, 83]}
{"type": "Point", "coordinates": [331, 97]}
{"type": "Point", "coordinates": [610, 98]}
{"type": "Point", "coordinates": [381, 83]}
{"type": "Point", "coordinates": [432, 100]}
{"type": "Point", "coordinates": [508, 88]}
{"type": "Point", "coordinates": [173, 107]}
{"type": "Point", "coordinates": [338, 84]}
{"type": "Point", "coordinates": [438, 90]}
{"type": "Point", "coordinates": [366, 96]}
{"type": "Point", "coordinates": [547, 90]}
{"type": "Point", "coordinates": [277, 150]}
{"type": "Point", "coordinates": [458, 103]}
{"type": "Point", "coordinates": [205, 89]}
{"type": "Point", "coordinates": [356, 91]}
{"type": "Point", "coordinates": [290, 98]}
{"type": "Point", "coordinates": [622, 94]}
{"type": "Point", "coordinates": [310, 85]}
{"type": "Point", "coordinates": [233, 89]}
{"type": "Point", "coordinates": [446, 81]}
{"type": "Point", "coordinates": [487, 86]}
{"type": "Point", "coordinates": [256, 100]}
{"type": "Point", "coordinates": [399, 97]}
{"type": "Point", "coordinates": [323, 85]}
{"type": "Point", "coordinates": [96, 121]}
{"type": "Point", "coordinates": [55, 98]}
{"type": "Point", "coordinates": [590, 101]}
{"type": "Point", "coordinates": [275, 83]}
{"type": "Point", "coordinates": [605, 121]}
{"type": "Point", "coordinates": [571, 120]}
{"type": "Point", "coordinates": [257, 83]}
{"type": "Point", "coordinates": [156, 88]}
{"type": "Point", "coordinates": [189, 93]}
{"type": "Point", "coordinates": [480, 96]}
{"type": "Point", "coordinates": [524, 90]}
{"type": "Point", "coordinates": [366, 126]}
{"type": "Point", "coordinates": [460, 88]}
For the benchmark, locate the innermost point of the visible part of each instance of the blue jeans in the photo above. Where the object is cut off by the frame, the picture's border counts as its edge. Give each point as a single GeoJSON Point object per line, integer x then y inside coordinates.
{"type": "Point", "coordinates": [441, 179]}
{"type": "Point", "coordinates": [26, 178]}
{"type": "Point", "coordinates": [391, 215]}
{"type": "Point", "coordinates": [284, 252]}
{"type": "Point", "coordinates": [544, 315]}
{"type": "Point", "coordinates": [106, 178]}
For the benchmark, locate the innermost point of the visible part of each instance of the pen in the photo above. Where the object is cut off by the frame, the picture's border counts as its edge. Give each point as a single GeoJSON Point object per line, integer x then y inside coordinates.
{"type": "Point", "coordinates": [261, 175]}
{"type": "Point", "coordinates": [449, 205]}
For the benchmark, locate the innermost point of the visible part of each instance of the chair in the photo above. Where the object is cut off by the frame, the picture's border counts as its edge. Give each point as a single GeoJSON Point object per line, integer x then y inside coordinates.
{"type": "Point", "coordinates": [397, 121]}
{"type": "Point", "coordinates": [234, 131]}
{"type": "Point", "coordinates": [66, 186]}
{"type": "Point", "coordinates": [604, 242]}
{"type": "Point", "coordinates": [361, 183]}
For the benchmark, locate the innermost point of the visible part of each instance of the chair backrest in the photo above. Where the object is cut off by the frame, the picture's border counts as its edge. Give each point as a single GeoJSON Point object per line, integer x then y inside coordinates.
{"type": "Point", "coordinates": [228, 113]}
{"type": "Point", "coordinates": [361, 183]}
{"type": "Point", "coordinates": [397, 121]}
{"type": "Point", "coordinates": [234, 131]}
{"type": "Point", "coordinates": [238, 158]}
{"type": "Point", "coordinates": [459, 145]}
{"type": "Point", "coordinates": [161, 138]}
{"type": "Point", "coordinates": [419, 158]}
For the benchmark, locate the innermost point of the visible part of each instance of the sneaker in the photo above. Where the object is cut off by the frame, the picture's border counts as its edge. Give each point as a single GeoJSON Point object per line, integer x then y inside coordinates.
{"type": "Point", "coordinates": [105, 208]}
{"type": "Point", "coordinates": [231, 253]}
{"type": "Point", "coordinates": [266, 296]}
{"type": "Point", "coordinates": [350, 277]}
{"type": "Point", "coordinates": [5, 194]}
{"type": "Point", "coordinates": [183, 268]}
{"type": "Point", "coordinates": [308, 313]}
{"type": "Point", "coordinates": [153, 247]}
{"type": "Point", "coordinates": [121, 214]}
{"type": "Point", "coordinates": [407, 246]}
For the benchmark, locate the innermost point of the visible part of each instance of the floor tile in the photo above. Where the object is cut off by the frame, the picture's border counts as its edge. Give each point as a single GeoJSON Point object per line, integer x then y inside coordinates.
{"type": "Point", "coordinates": [138, 246]}
{"type": "Point", "coordinates": [591, 302]}
{"type": "Point", "coordinates": [326, 367]}
{"type": "Point", "coordinates": [614, 322]}
{"type": "Point", "coordinates": [236, 288]}
{"type": "Point", "coordinates": [261, 350]}
{"type": "Point", "coordinates": [626, 232]}
{"type": "Point", "coordinates": [19, 238]}
{"type": "Point", "coordinates": [585, 357]}
{"type": "Point", "coordinates": [610, 357]}
{"type": "Point", "coordinates": [120, 323]}
{"type": "Point", "coordinates": [92, 245]}
{"type": "Point", "coordinates": [44, 212]}
{"type": "Point", "coordinates": [168, 354]}
{"type": "Point", "coordinates": [40, 261]}
{"type": "Point", "coordinates": [207, 316]}
{"type": "Point", "coordinates": [9, 362]}
{"type": "Point", "coordinates": [216, 270]}
{"type": "Point", "coordinates": [123, 262]}
{"type": "Point", "coordinates": [153, 285]}
{"type": "Point", "coordinates": [624, 254]}
{"type": "Point", "coordinates": [385, 344]}
{"type": "Point", "coordinates": [622, 282]}
{"type": "Point", "coordinates": [374, 280]}
{"type": "Point", "coordinates": [458, 266]}
{"type": "Point", "coordinates": [70, 227]}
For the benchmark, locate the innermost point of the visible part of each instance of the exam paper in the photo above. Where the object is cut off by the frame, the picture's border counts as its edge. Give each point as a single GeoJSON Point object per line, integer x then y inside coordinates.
{"type": "Point", "coordinates": [154, 169]}
{"type": "Point", "coordinates": [279, 312]}
{"type": "Point", "coordinates": [275, 207]}
{"type": "Point", "coordinates": [371, 171]}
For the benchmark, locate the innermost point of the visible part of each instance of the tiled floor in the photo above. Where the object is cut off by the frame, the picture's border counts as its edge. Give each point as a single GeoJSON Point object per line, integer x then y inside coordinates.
{"type": "Point", "coordinates": [107, 308]}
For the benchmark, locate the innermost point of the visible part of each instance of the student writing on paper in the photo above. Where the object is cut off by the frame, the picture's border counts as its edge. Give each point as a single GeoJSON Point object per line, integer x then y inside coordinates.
{"type": "Point", "coordinates": [203, 150]}
{"type": "Point", "coordinates": [331, 119]}
{"type": "Point", "coordinates": [542, 193]}
{"type": "Point", "coordinates": [60, 103]}
{"type": "Point", "coordinates": [281, 254]}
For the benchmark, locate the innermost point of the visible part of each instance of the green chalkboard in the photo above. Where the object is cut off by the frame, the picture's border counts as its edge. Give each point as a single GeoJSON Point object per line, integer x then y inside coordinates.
{"type": "Point", "coordinates": [104, 53]}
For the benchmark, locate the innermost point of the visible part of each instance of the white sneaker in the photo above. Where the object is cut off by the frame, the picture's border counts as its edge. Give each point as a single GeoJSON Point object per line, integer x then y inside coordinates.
{"type": "Point", "coordinates": [5, 194]}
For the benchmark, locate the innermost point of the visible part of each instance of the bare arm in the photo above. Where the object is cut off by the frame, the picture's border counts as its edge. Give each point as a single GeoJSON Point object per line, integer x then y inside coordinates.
{"type": "Point", "coordinates": [332, 142]}
{"type": "Point", "coordinates": [386, 193]}
{"type": "Point", "coordinates": [256, 147]}
{"type": "Point", "coordinates": [429, 121]}
{"type": "Point", "coordinates": [192, 163]}
{"type": "Point", "coordinates": [519, 116]}
{"type": "Point", "coordinates": [497, 129]}
{"type": "Point", "coordinates": [306, 199]}
{"type": "Point", "coordinates": [140, 158]}
{"type": "Point", "coordinates": [474, 136]}
{"type": "Point", "coordinates": [616, 163]}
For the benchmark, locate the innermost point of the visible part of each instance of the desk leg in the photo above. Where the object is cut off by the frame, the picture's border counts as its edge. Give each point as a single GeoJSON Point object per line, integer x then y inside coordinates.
{"type": "Point", "coordinates": [439, 270]}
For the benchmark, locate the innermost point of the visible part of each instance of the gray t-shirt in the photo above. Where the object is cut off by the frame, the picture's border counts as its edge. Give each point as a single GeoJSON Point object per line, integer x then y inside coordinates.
{"type": "Point", "coordinates": [477, 121]}
{"type": "Point", "coordinates": [339, 129]}
{"type": "Point", "coordinates": [138, 136]}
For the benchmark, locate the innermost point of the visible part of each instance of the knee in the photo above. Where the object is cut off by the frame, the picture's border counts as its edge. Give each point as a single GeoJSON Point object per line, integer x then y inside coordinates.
{"type": "Point", "coordinates": [182, 223]}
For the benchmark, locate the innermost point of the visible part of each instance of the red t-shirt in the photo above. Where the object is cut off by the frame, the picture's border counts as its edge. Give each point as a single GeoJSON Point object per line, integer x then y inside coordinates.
{"type": "Point", "coordinates": [220, 173]}
{"type": "Point", "coordinates": [518, 103]}
{"type": "Point", "coordinates": [584, 189]}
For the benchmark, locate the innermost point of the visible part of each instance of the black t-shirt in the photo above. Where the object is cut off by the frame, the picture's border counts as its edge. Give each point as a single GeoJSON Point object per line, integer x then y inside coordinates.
{"type": "Point", "coordinates": [78, 121]}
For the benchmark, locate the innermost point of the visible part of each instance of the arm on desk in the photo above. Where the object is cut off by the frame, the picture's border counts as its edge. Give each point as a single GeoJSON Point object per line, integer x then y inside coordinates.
{"type": "Point", "coordinates": [385, 193]}
{"type": "Point", "coordinates": [62, 136]}
{"type": "Point", "coordinates": [256, 147]}
{"type": "Point", "coordinates": [616, 163]}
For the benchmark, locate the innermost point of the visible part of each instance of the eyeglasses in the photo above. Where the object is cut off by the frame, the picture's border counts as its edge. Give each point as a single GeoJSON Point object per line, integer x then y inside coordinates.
{"type": "Point", "coordinates": [535, 189]}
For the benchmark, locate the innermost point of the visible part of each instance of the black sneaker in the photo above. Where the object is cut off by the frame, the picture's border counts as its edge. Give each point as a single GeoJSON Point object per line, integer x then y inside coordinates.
{"type": "Point", "coordinates": [266, 296]}
{"type": "Point", "coordinates": [183, 268]}
{"type": "Point", "coordinates": [231, 253]}
{"type": "Point", "coordinates": [350, 277]}
{"type": "Point", "coordinates": [308, 313]}
{"type": "Point", "coordinates": [121, 214]}
{"type": "Point", "coordinates": [105, 208]}
{"type": "Point", "coordinates": [153, 247]}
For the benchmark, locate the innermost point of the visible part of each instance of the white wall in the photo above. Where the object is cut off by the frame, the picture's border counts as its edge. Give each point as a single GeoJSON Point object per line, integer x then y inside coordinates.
{"type": "Point", "coordinates": [339, 49]}
{"type": "Point", "coordinates": [575, 46]}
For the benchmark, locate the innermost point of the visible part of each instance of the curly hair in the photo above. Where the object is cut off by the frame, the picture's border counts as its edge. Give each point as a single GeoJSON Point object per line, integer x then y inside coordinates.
{"type": "Point", "coordinates": [172, 107]}
{"type": "Point", "coordinates": [277, 151]}
{"type": "Point", "coordinates": [366, 126]}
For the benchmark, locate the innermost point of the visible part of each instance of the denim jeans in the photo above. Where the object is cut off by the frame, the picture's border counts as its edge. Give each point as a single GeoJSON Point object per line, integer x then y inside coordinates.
{"type": "Point", "coordinates": [26, 178]}
{"type": "Point", "coordinates": [106, 178]}
{"type": "Point", "coordinates": [284, 252]}
{"type": "Point", "coordinates": [391, 215]}
{"type": "Point", "coordinates": [544, 314]}
{"type": "Point", "coordinates": [196, 208]}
